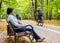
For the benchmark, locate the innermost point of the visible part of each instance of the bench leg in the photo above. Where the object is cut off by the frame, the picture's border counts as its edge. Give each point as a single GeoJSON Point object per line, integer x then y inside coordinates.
{"type": "Point", "coordinates": [30, 38]}
{"type": "Point", "coordinates": [14, 39]}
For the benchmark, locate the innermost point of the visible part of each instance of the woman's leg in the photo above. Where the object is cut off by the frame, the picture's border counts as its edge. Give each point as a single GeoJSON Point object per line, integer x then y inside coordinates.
{"type": "Point", "coordinates": [29, 29]}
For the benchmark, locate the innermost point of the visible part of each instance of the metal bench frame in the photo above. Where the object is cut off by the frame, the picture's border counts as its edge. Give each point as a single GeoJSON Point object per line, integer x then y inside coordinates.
{"type": "Point", "coordinates": [11, 32]}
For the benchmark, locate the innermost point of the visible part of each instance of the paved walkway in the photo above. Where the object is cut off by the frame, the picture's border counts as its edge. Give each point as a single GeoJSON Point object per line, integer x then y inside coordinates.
{"type": "Point", "coordinates": [2, 36]}
{"type": "Point", "coordinates": [51, 33]}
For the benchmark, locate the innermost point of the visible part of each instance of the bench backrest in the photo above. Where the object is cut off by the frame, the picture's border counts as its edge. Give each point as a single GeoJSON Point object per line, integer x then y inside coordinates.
{"type": "Point", "coordinates": [10, 28]}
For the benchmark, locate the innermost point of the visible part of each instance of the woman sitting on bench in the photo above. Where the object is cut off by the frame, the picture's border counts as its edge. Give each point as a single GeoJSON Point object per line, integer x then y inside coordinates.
{"type": "Point", "coordinates": [17, 23]}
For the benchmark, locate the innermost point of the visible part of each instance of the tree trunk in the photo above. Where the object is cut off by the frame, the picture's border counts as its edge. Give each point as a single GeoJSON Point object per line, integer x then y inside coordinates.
{"type": "Point", "coordinates": [42, 4]}
{"type": "Point", "coordinates": [50, 14]}
{"type": "Point", "coordinates": [35, 9]}
{"type": "Point", "coordinates": [47, 11]}
{"type": "Point", "coordinates": [0, 4]}
{"type": "Point", "coordinates": [56, 11]}
{"type": "Point", "coordinates": [0, 7]}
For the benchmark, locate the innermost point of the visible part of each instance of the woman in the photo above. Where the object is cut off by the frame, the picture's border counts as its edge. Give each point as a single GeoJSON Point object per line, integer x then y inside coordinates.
{"type": "Point", "coordinates": [16, 23]}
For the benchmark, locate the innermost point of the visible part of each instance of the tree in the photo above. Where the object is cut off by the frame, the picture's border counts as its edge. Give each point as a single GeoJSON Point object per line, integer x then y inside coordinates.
{"type": "Point", "coordinates": [51, 8]}
{"type": "Point", "coordinates": [0, 7]}
{"type": "Point", "coordinates": [50, 13]}
{"type": "Point", "coordinates": [47, 11]}
{"type": "Point", "coordinates": [35, 9]}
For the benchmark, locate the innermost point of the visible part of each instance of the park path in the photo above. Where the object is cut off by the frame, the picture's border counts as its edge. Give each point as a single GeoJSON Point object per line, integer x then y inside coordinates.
{"type": "Point", "coordinates": [2, 36]}
{"type": "Point", "coordinates": [51, 33]}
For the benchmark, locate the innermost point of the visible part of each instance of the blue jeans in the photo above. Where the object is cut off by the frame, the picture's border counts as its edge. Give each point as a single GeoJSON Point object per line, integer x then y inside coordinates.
{"type": "Point", "coordinates": [29, 29]}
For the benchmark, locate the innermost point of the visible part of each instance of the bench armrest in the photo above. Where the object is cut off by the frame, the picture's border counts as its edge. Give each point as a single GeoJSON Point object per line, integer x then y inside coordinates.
{"type": "Point", "coordinates": [27, 26]}
{"type": "Point", "coordinates": [23, 27]}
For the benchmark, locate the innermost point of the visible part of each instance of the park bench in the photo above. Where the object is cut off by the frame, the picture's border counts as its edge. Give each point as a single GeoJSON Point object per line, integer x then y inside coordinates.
{"type": "Point", "coordinates": [11, 32]}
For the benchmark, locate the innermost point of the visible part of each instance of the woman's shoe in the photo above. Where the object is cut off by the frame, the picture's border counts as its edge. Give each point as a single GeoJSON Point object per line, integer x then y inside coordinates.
{"type": "Point", "coordinates": [40, 40]}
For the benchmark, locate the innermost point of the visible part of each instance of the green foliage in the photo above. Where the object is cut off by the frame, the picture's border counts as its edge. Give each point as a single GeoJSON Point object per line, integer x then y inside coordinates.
{"type": "Point", "coordinates": [55, 6]}
{"type": "Point", "coordinates": [24, 8]}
